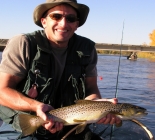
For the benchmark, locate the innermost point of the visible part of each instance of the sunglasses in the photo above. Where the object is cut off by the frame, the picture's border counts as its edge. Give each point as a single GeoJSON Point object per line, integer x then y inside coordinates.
{"type": "Point", "coordinates": [57, 17]}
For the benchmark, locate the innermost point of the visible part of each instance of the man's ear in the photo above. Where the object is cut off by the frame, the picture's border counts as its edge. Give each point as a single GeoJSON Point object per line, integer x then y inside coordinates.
{"type": "Point", "coordinates": [43, 22]}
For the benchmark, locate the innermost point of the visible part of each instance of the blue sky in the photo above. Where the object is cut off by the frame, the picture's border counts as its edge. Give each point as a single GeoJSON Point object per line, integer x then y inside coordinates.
{"type": "Point", "coordinates": [104, 23]}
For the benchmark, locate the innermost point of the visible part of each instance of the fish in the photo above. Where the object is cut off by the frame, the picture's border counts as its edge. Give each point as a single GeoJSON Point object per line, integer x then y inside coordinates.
{"type": "Point", "coordinates": [83, 112]}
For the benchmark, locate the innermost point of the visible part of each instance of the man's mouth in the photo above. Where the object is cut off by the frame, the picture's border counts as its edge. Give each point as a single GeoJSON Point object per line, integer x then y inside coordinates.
{"type": "Point", "coordinates": [63, 31]}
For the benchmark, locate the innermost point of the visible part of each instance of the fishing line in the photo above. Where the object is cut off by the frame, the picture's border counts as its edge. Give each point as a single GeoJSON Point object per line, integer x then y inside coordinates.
{"type": "Point", "coordinates": [119, 63]}
{"type": "Point", "coordinates": [116, 93]}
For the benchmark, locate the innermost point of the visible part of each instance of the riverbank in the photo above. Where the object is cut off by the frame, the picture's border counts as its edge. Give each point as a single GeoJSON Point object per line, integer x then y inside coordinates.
{"type": "Point", "coordinates": [3, 44]}
{"type": "Point", "coordinates": [148, 55]}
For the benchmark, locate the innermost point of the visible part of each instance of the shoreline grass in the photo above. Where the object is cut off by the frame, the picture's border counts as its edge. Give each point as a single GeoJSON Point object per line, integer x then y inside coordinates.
{"type": "Point", "coordinates": [148, 55]}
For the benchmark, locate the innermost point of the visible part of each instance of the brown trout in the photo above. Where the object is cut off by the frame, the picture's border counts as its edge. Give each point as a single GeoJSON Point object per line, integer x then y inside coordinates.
{"type": "Point", "coordinates": [83, 112]}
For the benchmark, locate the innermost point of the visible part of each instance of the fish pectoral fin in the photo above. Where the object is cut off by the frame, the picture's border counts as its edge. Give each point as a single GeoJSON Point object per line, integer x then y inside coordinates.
{"type": "Point", "coordinates": [75, 120]}
{"type": "Point", "coordinates": [80, 128]}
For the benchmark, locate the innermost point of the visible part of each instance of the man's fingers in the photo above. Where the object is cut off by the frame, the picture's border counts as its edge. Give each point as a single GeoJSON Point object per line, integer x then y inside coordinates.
{"type": "Point", "coordinates": [53, 127]}
{"type": "Point", "coordinates": [110, 119]}
{"type": "Point", "coordinates": [53, 130]}
{"type": "Point", "coordinates": [58, 126]}
{"type": "Point", "coordinates": [102, 120]}
{"type": "Point", "coordinates": [48, 125]}
{"type": "Point", "coordinates": [113, 120]}
{"type": "Point", "coordinates": [113, 100]}
{"type": "Point", "coordinates": [118, 122]}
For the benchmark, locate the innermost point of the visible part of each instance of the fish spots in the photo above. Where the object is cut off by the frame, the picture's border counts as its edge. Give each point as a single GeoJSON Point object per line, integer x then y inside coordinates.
{"type": "Point", "coordinates": [85, 109]}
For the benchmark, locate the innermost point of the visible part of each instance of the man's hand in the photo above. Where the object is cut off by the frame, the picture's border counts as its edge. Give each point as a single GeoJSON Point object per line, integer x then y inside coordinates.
{"type": "Point", "coordinates": [110, 118]}
{"type": "Point", "coordinates": [50, 125]}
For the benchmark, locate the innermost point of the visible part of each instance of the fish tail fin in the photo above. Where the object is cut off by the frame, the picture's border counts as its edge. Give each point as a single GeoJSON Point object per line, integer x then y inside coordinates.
{"type": "Point", "coordinates": [28, 123]}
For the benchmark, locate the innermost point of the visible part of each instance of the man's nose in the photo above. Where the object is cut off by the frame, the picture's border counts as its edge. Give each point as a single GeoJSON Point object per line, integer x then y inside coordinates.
{"type": "Point", "coordinates": [63, 21]}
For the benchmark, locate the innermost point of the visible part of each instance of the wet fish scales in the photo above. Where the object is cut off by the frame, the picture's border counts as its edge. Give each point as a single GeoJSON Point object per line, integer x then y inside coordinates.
{"type": "Point", "coordinates": [82, 113]}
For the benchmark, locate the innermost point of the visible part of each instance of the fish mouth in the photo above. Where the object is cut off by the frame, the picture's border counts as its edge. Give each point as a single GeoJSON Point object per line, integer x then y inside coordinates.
{"type": "Point", "coordinates": [142, 112]}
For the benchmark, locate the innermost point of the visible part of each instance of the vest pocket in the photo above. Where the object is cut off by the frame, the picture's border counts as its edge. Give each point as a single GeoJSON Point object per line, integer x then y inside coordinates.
{"type": "Point", "coordinates": [7, 114]}
{"type": "Point", "coordinates": [77, 81]}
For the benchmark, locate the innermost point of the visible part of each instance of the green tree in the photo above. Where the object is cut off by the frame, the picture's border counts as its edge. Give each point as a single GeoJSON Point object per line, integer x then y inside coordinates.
{"type": "Point", "coordinates": [152, 38]}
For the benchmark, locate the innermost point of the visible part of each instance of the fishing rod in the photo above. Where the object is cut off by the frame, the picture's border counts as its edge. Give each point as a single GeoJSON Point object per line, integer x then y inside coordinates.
{"type": "Point", "coordinates": [116, 92]}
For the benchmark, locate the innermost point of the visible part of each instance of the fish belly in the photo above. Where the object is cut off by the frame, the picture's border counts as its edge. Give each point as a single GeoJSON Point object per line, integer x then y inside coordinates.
{"type": "Point", "coordinates": [86, 117]}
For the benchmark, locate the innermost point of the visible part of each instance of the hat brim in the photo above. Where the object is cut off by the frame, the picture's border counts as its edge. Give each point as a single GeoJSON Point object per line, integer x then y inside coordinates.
{"type": "Point", "coordinates": [42, 8]}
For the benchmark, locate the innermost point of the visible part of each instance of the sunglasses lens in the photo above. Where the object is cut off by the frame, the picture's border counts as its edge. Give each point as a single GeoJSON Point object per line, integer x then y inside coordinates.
{"type": "Point", "coordinates": [69, 18]}
{"type": "Point", "coordinates": [56, 16]}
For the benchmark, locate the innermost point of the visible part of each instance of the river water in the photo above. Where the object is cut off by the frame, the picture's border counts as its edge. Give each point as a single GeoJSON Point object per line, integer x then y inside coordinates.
{"type": "Point", "coordinates": [136, 85]}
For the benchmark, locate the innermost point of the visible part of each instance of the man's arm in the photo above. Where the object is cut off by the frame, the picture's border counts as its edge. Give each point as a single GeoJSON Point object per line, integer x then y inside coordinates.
{"type": "Point", "coordinates": [92, 88]}
{"type": "Point", "coordinates": [13, 99]}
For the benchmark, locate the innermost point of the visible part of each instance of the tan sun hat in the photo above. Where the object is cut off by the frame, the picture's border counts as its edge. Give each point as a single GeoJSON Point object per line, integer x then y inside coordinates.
{"type": "Point", "coordinates": [42, 8]}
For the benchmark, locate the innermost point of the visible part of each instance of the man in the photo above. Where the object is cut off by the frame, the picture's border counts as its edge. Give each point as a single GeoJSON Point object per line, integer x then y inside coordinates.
{"type": "Point", "coordinates": [50, 69]}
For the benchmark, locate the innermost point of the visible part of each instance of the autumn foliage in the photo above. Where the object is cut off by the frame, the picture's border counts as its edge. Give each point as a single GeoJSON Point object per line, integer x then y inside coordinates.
{"type": "Point", "coordinates": [152, 38]}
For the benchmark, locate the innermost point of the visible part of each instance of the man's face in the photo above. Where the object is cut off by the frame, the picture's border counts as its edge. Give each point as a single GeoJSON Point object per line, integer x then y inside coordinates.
{"type": "Point", "coordinates": [59, 32]}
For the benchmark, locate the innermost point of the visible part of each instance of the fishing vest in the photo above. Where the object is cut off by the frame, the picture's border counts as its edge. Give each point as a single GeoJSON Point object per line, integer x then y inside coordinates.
{"type": "Point", "coordinates": [71, 85]}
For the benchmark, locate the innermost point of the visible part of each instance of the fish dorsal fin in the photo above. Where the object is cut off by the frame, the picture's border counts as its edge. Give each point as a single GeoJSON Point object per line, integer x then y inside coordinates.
{"type": "Point", "coordinates": [90, 101]}
{"type": "Point", "coordinates": [80, 128]}
{"type": "Point", "coordinates": [83, 101]}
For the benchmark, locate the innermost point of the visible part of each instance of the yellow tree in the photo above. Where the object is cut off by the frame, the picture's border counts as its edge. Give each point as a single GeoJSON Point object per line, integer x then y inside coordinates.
{"type": "Point", "coordinates": [152, 38]}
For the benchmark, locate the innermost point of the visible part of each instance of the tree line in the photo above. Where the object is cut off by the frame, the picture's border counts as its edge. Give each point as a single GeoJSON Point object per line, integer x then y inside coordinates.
{"type": "Point", "coordinates": [152, 38]}
{"type": "Point", "coordinates": [150, 55]}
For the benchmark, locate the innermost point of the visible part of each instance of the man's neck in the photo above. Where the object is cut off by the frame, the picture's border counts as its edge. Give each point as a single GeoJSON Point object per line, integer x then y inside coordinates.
{"type": "Point", "coordinates": [58, 44]}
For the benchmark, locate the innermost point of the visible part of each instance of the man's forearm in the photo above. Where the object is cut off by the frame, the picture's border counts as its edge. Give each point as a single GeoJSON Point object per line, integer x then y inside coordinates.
{"type": "Point", "coordinates": [15, 100]}
{"type": "Point", "coordinates": [93, 97]}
